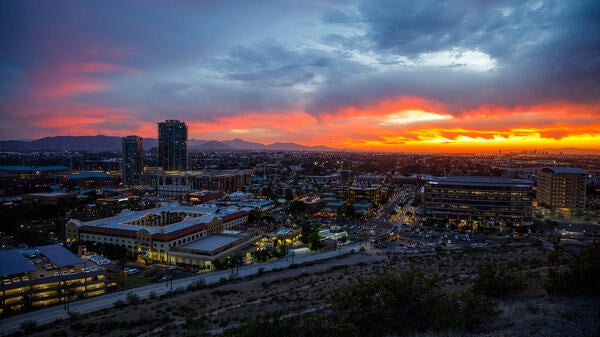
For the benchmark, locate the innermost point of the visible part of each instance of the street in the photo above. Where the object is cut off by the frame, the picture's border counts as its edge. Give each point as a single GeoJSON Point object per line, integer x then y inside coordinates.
{"type": "Point", "coordinates": [48, 315]}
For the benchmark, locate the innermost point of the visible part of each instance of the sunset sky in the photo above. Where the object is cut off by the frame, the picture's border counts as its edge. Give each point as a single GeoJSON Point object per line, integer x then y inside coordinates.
{"type": "Point", "coordinates": [389, 75]}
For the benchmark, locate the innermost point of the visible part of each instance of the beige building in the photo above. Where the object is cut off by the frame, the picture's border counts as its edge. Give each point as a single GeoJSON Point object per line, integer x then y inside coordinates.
{"type": "Point", "coordinates": [162, 234]}
{"type": "Point", "coordinates": [561, 187]}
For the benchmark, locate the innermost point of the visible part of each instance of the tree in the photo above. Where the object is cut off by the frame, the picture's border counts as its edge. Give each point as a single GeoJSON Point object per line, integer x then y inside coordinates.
{"type": "Point", "coordinates": [254, 215]}
{"type": "Point", "coordinates": [417, 200]}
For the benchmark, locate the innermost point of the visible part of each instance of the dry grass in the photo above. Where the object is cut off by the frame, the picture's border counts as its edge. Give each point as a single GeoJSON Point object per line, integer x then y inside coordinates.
{"type": "Point", "coordinates": [298, 290]}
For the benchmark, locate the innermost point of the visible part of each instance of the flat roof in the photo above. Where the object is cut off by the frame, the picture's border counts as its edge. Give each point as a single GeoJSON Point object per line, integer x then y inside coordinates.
{"type": "Point", "coordinates": [49, 194]}
{"type": "Point", "coordinates": [32, 168]}
{"type": "Point", "coordinates": [88, 175]}
{"type": "Point", "coordinates": [282, 231]}
{"type": "Point", "coordinates": [13, 262]}
{"type": "Point", "coordinates": [481, 180]}
{"type": "Point", "coordinates": [59, 255]}
{"type": "Point", "coordinates": [567, 170]}
{"type": "Point", "coordinates": [210, 243]}
{"type": "Point", "coordinates": [199, 214]}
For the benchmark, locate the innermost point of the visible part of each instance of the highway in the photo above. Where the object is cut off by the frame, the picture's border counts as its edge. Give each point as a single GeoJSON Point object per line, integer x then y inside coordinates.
{"type": "Point", "coordinates": [48, 315]}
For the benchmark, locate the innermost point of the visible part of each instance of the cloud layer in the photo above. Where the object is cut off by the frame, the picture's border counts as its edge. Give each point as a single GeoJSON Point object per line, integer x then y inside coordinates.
{"type": "Point", "coordinates": [373, 75]}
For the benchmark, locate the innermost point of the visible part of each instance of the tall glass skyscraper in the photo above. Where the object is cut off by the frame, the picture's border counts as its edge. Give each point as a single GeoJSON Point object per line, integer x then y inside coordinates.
{"type": "Point", "coordinates": [133, 159]}
{"type": "Point", "coordinates": [172, 145]}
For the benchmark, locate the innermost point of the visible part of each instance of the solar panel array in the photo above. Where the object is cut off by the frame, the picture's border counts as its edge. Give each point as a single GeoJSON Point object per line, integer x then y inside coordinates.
{"type": "Point", "coordinates": [59, 255]}
{"type": "Point", "coordinates": [13, 262]}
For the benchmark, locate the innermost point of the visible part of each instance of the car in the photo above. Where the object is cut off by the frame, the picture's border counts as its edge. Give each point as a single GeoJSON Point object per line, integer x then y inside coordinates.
{"type": "Point", "coordinates": [7, 281]}
{"type": "Point", "coordinates": [131, 271]}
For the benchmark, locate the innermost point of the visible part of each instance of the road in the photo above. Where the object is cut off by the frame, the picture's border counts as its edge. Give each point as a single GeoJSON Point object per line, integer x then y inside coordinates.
{"type": "Point", "coordinates": [48, 315]}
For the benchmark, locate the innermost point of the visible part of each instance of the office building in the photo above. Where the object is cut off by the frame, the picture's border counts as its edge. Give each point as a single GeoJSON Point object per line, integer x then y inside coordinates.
{"type": "Point", "coordinates": [133, 159]}
{"type": "Point", "coordinates": [561, 187]}
{"type": "Point", "coordinates": [478, 201]}
{"type": "Point", "coordinates": [172, 145]}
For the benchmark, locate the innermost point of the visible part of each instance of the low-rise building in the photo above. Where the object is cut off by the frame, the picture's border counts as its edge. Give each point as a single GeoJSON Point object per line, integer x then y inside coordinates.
{"type": "Point", "coordinates": [157, 234]}
{"type": "Point", "coordinates": [46, 275]}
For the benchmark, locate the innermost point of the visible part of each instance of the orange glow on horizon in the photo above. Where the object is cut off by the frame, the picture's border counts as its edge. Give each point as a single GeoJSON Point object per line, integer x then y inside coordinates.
{"type": "Point", "coordinates": [396, 125]}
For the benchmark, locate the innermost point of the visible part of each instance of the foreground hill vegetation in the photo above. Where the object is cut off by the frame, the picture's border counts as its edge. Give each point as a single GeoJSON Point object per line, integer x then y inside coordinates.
{"type": "Point", "coordinates": [523, 290]}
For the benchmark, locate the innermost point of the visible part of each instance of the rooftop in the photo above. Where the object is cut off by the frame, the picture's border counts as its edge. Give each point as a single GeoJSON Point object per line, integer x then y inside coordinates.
{"type": "Point", "coordinates": [210, 243]}
{"type": "Point", "coordinates": [566, 170]}
{"type": "Point", "coordinates": [478, 180]}
{"type": "Point", "coordinates": [32, 168]}
{"type": "Point", "coordinates": [59, 255]}
{"type": "Point", "coordinates": [89, 175]}
{"type": "Point", "coordinates": [202, 213]}
{"type": "Point", "coordinates": [49, 194]}
{"type": "Point", "coordinates": [13, 262]}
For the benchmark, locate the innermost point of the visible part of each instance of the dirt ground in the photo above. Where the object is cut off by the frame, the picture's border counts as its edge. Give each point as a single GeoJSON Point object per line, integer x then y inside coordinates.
{"type": "Point", "coordinates": [308, 288]}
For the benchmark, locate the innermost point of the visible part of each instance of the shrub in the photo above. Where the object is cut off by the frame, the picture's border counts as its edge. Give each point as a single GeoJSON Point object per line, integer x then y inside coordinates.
{"type": "Point", "coordinates": [28, 326]}
{"type": "Point", "coordinates": [119, 304]}
{"type": "Point", "coordinates": [133, 298]}
{"type": "Point", "coordinates": [582, 276]}
{"type": "Point", "coordinates": [74, 316]}
{"type": "Point", "coordinates": [496, 281]}
{"type": "Point", "coordinates": [196, 285]}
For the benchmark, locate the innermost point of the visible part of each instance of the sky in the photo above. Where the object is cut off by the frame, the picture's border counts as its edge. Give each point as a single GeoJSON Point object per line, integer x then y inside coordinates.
{"type": "Point", "coordinates": [376, 75]}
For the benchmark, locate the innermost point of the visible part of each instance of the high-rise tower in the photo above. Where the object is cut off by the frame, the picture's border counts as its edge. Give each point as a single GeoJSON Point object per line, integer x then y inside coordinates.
{"type": "Point", "coordinates": [133, 159]}
{"type": "Point", "coordinates": [172, 145]}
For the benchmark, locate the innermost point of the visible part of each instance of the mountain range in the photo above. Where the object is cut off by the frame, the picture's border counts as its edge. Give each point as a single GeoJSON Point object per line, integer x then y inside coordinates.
{"type": "Point", "coordinates": [111, 143]}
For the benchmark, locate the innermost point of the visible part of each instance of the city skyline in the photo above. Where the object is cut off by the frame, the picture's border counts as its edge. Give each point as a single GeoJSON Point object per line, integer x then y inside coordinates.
{"type": "Point", "coordinates": [460, 76]}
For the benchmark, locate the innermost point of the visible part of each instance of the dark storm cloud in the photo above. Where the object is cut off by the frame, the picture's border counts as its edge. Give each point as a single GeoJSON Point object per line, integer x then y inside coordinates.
{"type": "Point", "coordinates": [202, 60]}
{"type": "Point", "coordinates": [543, 51]}
{"type": "Point", "coordinates": [272, 64]}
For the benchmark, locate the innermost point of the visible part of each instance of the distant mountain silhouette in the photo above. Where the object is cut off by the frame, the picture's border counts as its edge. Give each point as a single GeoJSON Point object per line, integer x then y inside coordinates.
{"type": "Point", "coordinates": [212, 145]}
{"type": "Point", "coordinates": [244, 145]}
{"type": "Point", "coordinates": [110, 143]}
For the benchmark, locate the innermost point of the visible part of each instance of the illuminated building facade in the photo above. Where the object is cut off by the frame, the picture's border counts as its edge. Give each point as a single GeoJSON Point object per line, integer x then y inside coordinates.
{"type": "Point", "coordinates": [46, 275]}
{"type": "Point", "coordinates": [133, 159]}
{"type": "Point", "coordinates": [161, 234]}
{"type": "Point", "coordinates": [561, 187]}
{"type": "Point", "coordinates": [178, 184]}
{"type": "Point", "coordinates": [479, 201]}
{"type": "Point", "coordinates": [172, 145]}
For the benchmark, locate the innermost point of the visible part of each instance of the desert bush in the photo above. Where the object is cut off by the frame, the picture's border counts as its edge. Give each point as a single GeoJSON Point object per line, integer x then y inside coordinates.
{"type": "Point", "coordinates": [28, 326]}
{"type": "Point", "coordinates": [132, 298]}
{"type": "Point", "coordinates": [582, 277]}
{"type": "Point", "coordinates": [497, 281]}
{"type": "Point", "coordinates": [119, 304]}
